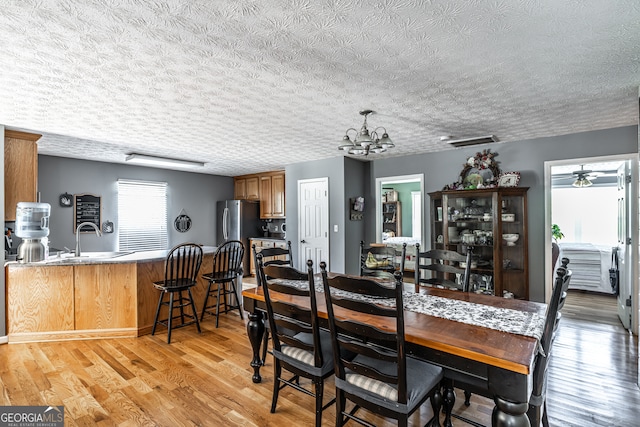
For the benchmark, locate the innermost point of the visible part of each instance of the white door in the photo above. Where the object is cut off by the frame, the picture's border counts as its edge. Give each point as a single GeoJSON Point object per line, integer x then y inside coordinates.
{"type": "Point", "coordinates": [313, 222]}
{"type": "Point", "coordinates": [624, 240]}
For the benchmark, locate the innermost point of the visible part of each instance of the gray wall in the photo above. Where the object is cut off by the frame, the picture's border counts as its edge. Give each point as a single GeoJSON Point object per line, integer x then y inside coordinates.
{"type": "Point", "coordinates": [193, 192]}
{"type": "Point", "coordinates": [355, 176]}
{"type": "Point", "coordinates": [347, 178]}
{"type": "Point", "coordinates": [528, 158]}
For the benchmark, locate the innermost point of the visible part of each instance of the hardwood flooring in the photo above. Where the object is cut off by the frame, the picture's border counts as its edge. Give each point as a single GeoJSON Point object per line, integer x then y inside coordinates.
{"type": "Point", "coordinates": [205, 380]}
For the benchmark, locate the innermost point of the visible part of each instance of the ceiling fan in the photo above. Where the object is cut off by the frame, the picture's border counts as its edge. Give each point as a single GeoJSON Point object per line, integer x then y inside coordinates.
{"type": "Point", "coordinates": [584, 177]}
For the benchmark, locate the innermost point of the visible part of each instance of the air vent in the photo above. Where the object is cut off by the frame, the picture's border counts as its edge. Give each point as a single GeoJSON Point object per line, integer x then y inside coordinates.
{"type": "Point", "coordinates": [463, 142]}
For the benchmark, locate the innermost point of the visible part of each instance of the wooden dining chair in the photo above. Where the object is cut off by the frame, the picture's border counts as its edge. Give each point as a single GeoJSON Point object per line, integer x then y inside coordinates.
{"type": "Point", "coordinates": [299, 346]}
{"type": "Point", "coordinates": [372, 369]}
{"type": "Point", "coordinates": [387, 258]}
{"type": "Point", "coordinates": [275, 256]}
{"type": "Point", "coordinates": [537, 412]}
{"type": "Point", "coordinates": [227, 268]}
{"type": "Point", "coordinates": [538, 401]}
{"type": "Point", "coordinates": [441, 268]}
{"type": "Point", "coordinates": [181, 269]}
{"type": "Point", "coordinates": [271, 256]}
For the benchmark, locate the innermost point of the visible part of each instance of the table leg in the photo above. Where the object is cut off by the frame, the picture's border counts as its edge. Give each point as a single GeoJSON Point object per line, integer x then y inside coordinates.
{"type": "Point", "coordinates": [449, 398]}
{"type": "Point", "coordinates": [509, 414]}
{"type": "Point", "coordinates": [255, 331]}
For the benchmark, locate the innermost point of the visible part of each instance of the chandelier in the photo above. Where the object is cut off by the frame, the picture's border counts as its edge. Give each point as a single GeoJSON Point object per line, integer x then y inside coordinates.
{"type": "Point", "coordinates": [364, 142]}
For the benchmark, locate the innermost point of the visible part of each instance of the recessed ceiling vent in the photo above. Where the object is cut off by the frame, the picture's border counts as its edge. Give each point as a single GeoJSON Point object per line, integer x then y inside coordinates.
{"type": "Point", "coordinates": [463, 142]}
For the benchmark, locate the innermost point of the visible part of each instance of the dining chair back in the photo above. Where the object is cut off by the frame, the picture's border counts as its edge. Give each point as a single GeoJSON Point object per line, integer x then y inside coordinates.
{"type": "Point", "coordinates": [181, 268]}
{"type": "Point", "coordinates": [441, 268]}
{"type": "Point", "coordinates": [377, 259]}
{"type": "Point", "coordinates": [537, 412]}
{"type": "Point", "coordinates": [537, 402]}
{"type": "Point", "coordinates": [275, 256]}
{"type": "Point", "coordinates": [227, 268]}
{"type": "Point", "coordinates": [299, 346]}
{"type": "Point", "coordinates": [271, 256]}
{"type": "Point", "coordinates": [371, 365]}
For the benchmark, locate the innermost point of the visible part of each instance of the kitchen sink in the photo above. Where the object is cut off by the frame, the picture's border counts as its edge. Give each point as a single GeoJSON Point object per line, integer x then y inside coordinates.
{"type": "Point", "coordinates": [87, 256]}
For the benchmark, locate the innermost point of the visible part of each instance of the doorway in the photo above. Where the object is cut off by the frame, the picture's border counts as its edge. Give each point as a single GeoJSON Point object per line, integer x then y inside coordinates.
{"type": "Point", "coordinates": [604, 229]}
{"type": "Point", "coordinates": [408, 192]}
{"type": "Point", "coordinates": [313, 221]}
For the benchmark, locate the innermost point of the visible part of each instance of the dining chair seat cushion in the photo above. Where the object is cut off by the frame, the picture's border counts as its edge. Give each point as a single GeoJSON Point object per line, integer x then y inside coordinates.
{"type": "Point", "coordinates": [299, 354]}
{"type": "Point", "coordinates": [297, 357]}
{"type": "Point", "coordinates": [422, 377]}
{"type": "Point", "coordinates": [378, 387]}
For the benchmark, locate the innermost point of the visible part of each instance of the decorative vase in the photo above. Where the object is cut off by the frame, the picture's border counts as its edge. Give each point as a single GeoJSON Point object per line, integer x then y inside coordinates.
{"type": "Point", "coordinates": [371, 262]}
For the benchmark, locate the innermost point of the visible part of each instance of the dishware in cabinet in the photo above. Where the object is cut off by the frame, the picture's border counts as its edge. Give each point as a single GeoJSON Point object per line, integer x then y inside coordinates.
{"type": "Point", "coordinates": [493, 223]}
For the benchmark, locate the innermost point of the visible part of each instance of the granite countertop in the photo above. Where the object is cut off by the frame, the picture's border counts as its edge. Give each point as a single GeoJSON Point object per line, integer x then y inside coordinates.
{"type": "Point", "coordinates": [270, 239]}
{"type": "Point", "coordinates": [104, 258]}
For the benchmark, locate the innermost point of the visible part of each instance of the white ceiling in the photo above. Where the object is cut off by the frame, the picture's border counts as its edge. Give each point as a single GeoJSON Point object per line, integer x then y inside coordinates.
{"type": "Point", "coordinates": [249, 86]}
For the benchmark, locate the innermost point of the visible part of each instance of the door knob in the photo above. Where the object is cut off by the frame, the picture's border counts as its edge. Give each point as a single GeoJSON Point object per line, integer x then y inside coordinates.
{"type": "Point", "coordinates": [303, 241]}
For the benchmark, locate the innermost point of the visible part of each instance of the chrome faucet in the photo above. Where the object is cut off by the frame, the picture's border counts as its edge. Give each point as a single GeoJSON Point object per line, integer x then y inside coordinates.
{"type": "Point", "coordinates": [98, 233]}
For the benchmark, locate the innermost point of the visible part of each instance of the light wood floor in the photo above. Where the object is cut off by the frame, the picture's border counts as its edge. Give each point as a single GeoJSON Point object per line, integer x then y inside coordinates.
{"type": "Point", "coordinates": [205, 380]}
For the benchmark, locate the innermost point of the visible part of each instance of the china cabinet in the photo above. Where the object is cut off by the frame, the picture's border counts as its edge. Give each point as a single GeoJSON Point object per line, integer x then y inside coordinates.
{"type": "Point", "coordinates": [392, 218]}
{"type": "Point", "coordinates": [493, 222]}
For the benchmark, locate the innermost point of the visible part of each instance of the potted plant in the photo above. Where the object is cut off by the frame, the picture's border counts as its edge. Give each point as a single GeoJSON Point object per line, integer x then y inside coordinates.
{"type": "Point", "coordinates": [557, 234]}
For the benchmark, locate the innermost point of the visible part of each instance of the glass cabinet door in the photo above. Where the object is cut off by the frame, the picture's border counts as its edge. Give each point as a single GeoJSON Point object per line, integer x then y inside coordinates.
{"type": "Point", "coordinates": [513, 218]}
{"type": "Point", "coordinates": [493, 223]}
{"type": "Point", "coordinates": [470, 224]}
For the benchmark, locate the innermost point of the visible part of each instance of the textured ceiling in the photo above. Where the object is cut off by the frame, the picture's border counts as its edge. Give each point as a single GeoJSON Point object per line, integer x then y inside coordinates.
{"type": "Point", "coordinates": [249, 86]}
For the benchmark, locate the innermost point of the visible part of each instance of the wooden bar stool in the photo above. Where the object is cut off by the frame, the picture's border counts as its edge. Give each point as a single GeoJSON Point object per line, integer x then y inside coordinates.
{"type": "Point", "coordinates": [227, 267]}
{"type": "Point", "coordinates": [180, 274]}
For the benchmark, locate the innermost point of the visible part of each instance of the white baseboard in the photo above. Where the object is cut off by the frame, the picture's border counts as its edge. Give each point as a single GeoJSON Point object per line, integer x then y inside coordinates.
{"type": "Point", "coordinates": [4, 339]}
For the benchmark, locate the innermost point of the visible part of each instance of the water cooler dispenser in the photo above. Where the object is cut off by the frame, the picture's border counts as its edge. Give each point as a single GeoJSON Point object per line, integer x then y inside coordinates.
{"type": "Point", "coordinates": [32, 226]}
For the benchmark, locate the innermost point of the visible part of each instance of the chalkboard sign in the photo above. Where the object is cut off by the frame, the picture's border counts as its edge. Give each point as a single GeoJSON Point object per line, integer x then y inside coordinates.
{"type": "Point", "coordinates": [87, 208]}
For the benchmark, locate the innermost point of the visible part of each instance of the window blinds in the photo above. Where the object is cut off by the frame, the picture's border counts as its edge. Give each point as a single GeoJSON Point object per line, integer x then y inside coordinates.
{"type": "Point", "coordinates": [142, 215]}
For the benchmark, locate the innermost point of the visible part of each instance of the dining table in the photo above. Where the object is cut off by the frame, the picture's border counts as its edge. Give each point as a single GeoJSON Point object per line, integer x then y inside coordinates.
{"type": "Point", "coordinates": [469, 335]}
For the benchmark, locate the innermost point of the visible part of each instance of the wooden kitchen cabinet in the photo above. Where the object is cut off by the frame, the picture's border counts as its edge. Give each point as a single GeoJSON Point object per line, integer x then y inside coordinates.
{"type": "Point", "coordinates": [272, 196]}
{"type": "Point", "coordinates": [247, 188]}
{"type": "Point", "coordinates": [39, 299]}
{"type": "Point", "coordinates": [20, 170]}
{"type": "Point", "coordinates": [104, 296]}
{"type": "Point", "coordinates": [60, 302]}
{"type": "Point", "coordinates": [267, 187]}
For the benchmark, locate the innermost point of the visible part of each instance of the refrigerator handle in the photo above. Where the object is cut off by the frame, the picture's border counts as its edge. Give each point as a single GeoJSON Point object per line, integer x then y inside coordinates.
{"type": "Point", "coordinates": [225, 218]}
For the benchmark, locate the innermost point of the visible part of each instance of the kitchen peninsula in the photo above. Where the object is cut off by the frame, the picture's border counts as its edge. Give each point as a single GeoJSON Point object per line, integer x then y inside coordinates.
{"type": "Point", "coordinates": [88, 297]}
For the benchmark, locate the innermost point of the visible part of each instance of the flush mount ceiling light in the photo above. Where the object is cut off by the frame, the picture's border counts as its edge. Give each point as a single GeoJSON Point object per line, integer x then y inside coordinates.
{"type": "Point", "coordinates": [463, 142]}
{"type": "Point", "coordinates": [143, 159]}
{"type": "Point", "coordinates": [364, 142]}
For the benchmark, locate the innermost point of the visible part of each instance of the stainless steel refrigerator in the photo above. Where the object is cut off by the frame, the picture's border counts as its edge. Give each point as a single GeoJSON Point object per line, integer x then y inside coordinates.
{"type": "Point", "coordinates": [238, 220]}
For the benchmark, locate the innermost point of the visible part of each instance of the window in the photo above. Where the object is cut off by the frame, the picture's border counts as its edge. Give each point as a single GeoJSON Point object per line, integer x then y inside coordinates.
{"type": "Point", "coordinates": [586, 215]}
{"type": "Point", "coordinates": [142, 215]}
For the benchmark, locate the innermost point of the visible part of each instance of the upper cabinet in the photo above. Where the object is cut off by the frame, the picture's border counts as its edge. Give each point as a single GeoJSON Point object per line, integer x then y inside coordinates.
{"type": "Point", "coordinates": [20, 170]}
{"type": "Point", "coordinates": [267, 187]}
{"type": "Point", "coordinates": [493, 222]}
{"type": "Point", "coordinates": [247, 188]}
